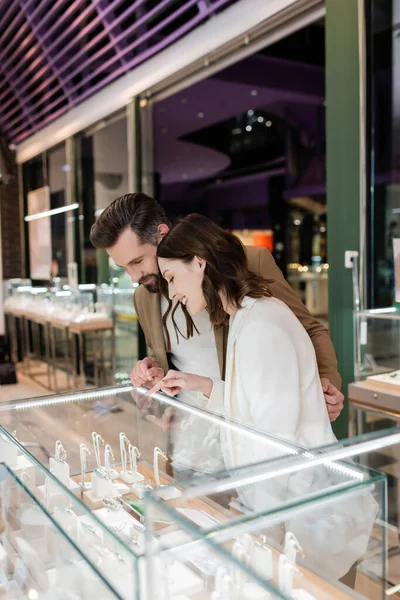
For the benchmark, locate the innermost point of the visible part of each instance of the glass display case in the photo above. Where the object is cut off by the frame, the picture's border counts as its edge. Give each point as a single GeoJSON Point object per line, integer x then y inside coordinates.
{"type": "Point", "coordinates": [377, 343]}
{"type": "Point", "coordinates": [45, 551]}
{"type": "Point", "coordinates": [114, 449]}
{"type": "Point", "coordinates": [110, 447]}
{"type": "Point", "coordinates": [315, 525]}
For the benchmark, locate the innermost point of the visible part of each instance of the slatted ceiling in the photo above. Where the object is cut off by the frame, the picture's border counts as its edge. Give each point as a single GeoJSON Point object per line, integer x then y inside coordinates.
{"type": "Point", "coordinates": [56, 53]}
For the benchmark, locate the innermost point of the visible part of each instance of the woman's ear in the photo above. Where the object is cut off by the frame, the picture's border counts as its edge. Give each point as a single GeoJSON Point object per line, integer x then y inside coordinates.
{"type": "Point", "coordinates": [200, 264]}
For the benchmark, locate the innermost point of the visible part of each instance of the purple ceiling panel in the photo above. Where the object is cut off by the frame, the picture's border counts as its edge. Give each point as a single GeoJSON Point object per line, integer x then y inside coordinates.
{"type": "Point", "coordinates": [56, 53]}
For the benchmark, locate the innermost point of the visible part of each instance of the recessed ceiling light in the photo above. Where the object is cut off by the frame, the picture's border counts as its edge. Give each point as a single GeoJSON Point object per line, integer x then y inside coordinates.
{"type": "Point", "coordinates": [268, 124]}
{"type": "Point", "coordinates": [249, 128]}
{"type": "Point", "coordinates": [253, 92]}
{"type": "Point", "coordinates": [260, 119]}
{"type": "Point", "coordinates": [250, 113]}
{"type": "Point", "coordinates": [200, 115]}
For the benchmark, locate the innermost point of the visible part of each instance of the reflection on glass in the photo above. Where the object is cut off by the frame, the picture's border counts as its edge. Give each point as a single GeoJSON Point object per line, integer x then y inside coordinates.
{"type": "Point", "coordinates": [103, 154]}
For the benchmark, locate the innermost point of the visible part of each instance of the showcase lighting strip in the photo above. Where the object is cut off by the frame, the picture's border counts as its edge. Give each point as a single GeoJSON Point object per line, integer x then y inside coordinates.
{"type": "Point", "coordinates": [71, 398]}
{"type": "Point", "coordinates": [53, 211]}
{"type": "Point", "coordinates": [285, 512]}
{"type": "Point", "coordinates": [296, 466]}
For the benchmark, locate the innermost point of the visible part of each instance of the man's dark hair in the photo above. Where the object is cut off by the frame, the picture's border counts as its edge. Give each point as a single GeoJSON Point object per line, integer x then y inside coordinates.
{"type": "Point", "coordinates": [137, 211]}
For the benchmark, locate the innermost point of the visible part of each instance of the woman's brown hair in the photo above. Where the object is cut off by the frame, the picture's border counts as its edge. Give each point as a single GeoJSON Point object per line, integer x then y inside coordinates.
{"type": "Point", "coordinates": [226, 267]}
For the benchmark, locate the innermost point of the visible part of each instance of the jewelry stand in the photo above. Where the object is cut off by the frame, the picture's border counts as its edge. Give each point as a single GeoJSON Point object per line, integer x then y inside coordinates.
{"type": "Point", "coordinates": [133, 475]}
{"type": "Point", "coordinates": [243, 588]}
{"type": "Point", "coordinates": [51, 495]}
{"type": "Point", "coordinates": [261, 558]}
{"type": "Point", "coordinates": [286, 571]}
{"type": "Point", "coordinates": [108, 460]}
{"type": "Point", "coordinates": [291, 548]}
{"type": "Point", "coordinates": [169, 493]}
{"type": "Point", "coordinates": [60, 469]}
{"type": "Point", "coordinates": [8, 452]}
{"type": "Point", "coordinates": [84, 453]}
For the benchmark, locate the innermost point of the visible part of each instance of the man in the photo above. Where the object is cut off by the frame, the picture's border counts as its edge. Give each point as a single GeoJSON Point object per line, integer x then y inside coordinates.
{"type": "Point", "coordinates": [129, 229]}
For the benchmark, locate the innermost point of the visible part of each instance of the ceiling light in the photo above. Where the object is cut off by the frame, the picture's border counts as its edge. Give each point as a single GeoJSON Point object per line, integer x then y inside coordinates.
{"type": "Point", "coordinates": [50, 213]}
{"type": "Point", "coordinates": [236, 131]}
{"type": "Point", "coordinates": [253, 93]}
{"type": "Point", "coordinates": [200, 115]}
{"type": "Point", "coordinates": [260, 119]}
{"type": "Point", "coordinates": [268, 124]}
{"type": "Point", "coordinates": [250, 113]}
{"type": "Point", "coordinates": [143, 103]}
{"type": "Point", "coordinates": [297, 221]}
{"type": "Point", "coordinates": [249, 128]}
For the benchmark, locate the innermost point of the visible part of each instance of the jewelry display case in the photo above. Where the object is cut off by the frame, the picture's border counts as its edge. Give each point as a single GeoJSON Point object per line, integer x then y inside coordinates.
{"type": "Point", "coordinates": [109, 447]}
{"type": "Point", "coordinates": [45, 550]}
{"type": "Point", "coordinates": [336, 510]}
{"type": "Point", "coordinates": [114, 449]}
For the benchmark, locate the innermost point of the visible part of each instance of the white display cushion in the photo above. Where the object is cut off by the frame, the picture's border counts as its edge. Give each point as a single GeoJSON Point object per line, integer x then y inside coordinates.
{"type": "Point", "coordinates": [182, 580]}
{"type": "Point", "coordinates": [67, 520]}
{"type": "Point", "coordinates": [102, 488]}
{"type": "Point", "coordinates": [252, 591]}
{"type": "Point", "coordinates": [8, 452]}
{"type": "Point", "coordinates": [198, 517]}
{"type": "Point", "coordinates": [261, 560]}
{"type": "Point", "coordinates": [168, 493]}
{"type": "Point", "coordinates": [33, 521]}
{"type": "Point", "coordinates": [121, 522]}
{"type": "Point", "coordinates": [301, 595]}
{"type": "Point", "coordinates": [39, 544]}
{"type": "Point", "coordinates": [23, 464]}
{"type": "Point", "coordinates": [89, 532]}
{"type": "Point", "coordinates": [140, 489]}
{"type": "Point", "coordinates": [129, 478]}
{"type": "Point", "coordinates": [389, 381]}
{"type": "Point", "coordinates": [60, 470]}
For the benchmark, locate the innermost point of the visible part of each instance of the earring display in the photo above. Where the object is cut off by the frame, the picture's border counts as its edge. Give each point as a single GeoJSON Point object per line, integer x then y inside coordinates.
{"type": "Point", "coordinates": [58, 467]}
{"type": "Point", "coordinates": [171, 492]}
{"type": "Point", "coordinates": [84, 453]}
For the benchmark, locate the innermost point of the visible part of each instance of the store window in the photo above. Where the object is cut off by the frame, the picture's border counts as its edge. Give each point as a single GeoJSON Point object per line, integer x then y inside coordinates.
{"type": "Point", "coordinates": [45, 188]}
{"type": "Point", "coordinates": [103, 157]}
{"type": "Point", "coordinates": [383, 45]}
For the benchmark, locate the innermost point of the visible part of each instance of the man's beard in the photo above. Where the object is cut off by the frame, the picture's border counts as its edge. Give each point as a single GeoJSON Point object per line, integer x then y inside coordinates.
{"type": "Point", "coordinates": [154, 285]}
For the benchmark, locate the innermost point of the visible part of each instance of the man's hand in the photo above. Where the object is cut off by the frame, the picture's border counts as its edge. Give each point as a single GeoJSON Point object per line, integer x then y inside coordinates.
{"type": "Point", "coordinates": [175, 381]}
{"type": "Point", "coordinates": [146, 372]}
{"type": "Point", "coordinates": [334, 399]}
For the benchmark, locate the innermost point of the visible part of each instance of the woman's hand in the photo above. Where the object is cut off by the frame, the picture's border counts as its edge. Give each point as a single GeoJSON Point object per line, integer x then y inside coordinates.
{"type": "Point", "coordinates": [175, 381]}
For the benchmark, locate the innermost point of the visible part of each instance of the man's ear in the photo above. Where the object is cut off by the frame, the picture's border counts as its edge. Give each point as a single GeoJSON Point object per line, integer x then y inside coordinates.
{"type": "Point", "coordinates": [162, 231]}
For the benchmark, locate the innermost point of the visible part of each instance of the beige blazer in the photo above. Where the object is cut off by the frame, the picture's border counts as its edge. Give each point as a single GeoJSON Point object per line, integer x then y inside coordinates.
{"type": "Point", "coordinates": [261, 262]}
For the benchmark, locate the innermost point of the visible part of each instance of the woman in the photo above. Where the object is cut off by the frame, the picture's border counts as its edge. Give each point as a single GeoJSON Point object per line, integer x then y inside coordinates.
{"type": "Point", "coordinates": [271, 380]}
{"type": "Point", "coordinates": [271, 383]}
